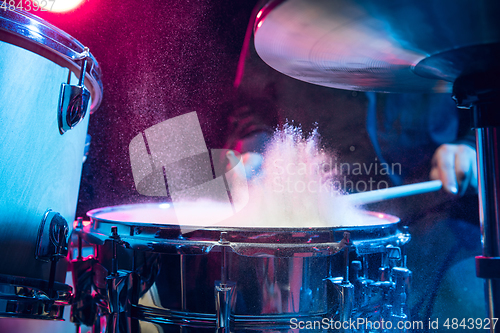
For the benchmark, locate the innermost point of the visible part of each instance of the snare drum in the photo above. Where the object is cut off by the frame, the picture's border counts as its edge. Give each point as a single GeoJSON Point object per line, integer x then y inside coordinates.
{"type": "Point", "coordinates": [42, 149]}
{"type": "Point", "coordinates": [153, 275]}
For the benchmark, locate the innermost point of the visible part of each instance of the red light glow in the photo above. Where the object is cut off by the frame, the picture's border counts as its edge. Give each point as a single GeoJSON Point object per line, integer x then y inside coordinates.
{"type": "Point", "coordinates": [85, 223]}
{"type": "Point", "coordinates": [56, 5]}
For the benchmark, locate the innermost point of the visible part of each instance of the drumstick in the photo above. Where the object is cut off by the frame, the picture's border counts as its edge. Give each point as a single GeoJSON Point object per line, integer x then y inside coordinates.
{"type": "Point", "coordinates": [364, 198]}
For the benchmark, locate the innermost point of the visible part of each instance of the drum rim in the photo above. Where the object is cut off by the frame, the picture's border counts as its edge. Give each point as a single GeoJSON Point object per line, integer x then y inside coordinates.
{"type": "Point", "coordinates": [247, 241]}
{"type": "Point", "coordinates": [391, 221]}
{"type": "Point", "coordinates": [31, 28]}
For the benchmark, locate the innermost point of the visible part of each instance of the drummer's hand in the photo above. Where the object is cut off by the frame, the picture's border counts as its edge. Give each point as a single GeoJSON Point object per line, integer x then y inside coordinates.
{"type": "Point", "coordinates": [455, 165]}
{"type": "Point", "coordinates": [251, 161]}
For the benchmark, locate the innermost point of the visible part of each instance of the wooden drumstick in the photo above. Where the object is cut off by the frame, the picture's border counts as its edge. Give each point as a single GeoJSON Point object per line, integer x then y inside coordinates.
{"type": "Point", "coordinates": [364, 198]}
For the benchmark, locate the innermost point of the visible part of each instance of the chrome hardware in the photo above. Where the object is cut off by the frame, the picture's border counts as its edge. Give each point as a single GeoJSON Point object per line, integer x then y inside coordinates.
{"type": "Point", "coordinates": [227, 279]}
{"type": "Point", "coordinates": [115, 238]}
{"type": "Point", "coordinates": [90, 291]}
{"type": "Point", "coordinates": [390, 257]}
{"type": "Point", "coordinates": [223, 290]}
{"type": "Point", "coordinates": [354, 296]}
{"type": "Point", "coordinates": [344, 289]}
{"type": "Point", "coordinates": [223, 298]}
{"type": "Point", "coordinates": [52, 243]}
{"type": "Point", "coordinates": [52, 238]}
{"type": "Point", "coordinates": [119, 289]}
{"type": "Point", "coordinates": [402, 278]}
{"type": "Point", "coordinates": [73, 100]}
{"type": "Point", "coordinates": [120, 295]}
{"type": "Point", "coordinates": [29, 298]}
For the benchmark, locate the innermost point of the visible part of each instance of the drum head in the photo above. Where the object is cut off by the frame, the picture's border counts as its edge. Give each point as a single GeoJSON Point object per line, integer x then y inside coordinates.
{"type": "Point", "coordinates": [156, 227]}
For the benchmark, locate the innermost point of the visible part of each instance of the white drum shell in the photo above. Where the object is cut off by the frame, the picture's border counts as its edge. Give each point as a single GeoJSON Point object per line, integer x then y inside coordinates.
{"type": "Point", "coordinates": [40, 169]}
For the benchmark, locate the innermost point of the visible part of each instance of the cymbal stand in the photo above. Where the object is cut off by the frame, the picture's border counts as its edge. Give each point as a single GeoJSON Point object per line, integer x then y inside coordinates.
{"type": "Point", "coordinates": [480, 93]}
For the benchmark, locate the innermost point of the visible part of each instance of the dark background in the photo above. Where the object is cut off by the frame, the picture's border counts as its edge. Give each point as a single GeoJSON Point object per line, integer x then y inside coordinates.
{"type": "Point", "coordinates": [159, 59]}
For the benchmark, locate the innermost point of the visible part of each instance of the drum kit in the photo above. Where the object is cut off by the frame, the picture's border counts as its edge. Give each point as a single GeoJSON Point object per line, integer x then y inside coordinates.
{"type": "Point", "coordinates": [148, 275]}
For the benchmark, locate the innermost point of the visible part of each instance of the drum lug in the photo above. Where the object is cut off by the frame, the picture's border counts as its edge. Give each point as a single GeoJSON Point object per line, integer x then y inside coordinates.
{"type": "Point", "coordinates": [120, 297]}
{"type": "Point", "coordinates": [90, 290]}
{"type": "Point", "coordinates": [73, 100]}
{"type": "Point", "coordinates": [391, 255]}
{"type": "Point", "coordinates": [344, 289]}
{"type": "Point", "coordinates": [52, 243]}
{"type": "Point", "coordinates": [224, 293]}
{"type": "Point", "coordinates": [52, 238]}
{"type": "Point", "coordinates": [344, 296]}
{"type": "Point", "coordinates": [402, 277]}
{"type": "Point", "coordinates": [224, 289]}
{"type": "Point", "coordinates": [361, 284]}
{"type": "Point", "coordinates": [120, 294]}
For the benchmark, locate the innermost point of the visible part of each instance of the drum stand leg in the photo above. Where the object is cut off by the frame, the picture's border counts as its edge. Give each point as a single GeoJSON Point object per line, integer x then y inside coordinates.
{"type": "Point", "coordinates": [480, 93]}
{"type": "Point", "coordinates": [223, 291]}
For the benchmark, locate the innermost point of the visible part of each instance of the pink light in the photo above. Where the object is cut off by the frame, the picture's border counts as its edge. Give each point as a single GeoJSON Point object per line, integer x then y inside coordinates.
{"type": "Point", "coordinates": [85, 223]}
{"type": "Point", "coordinates": [259, 14]}
{"type": "Point", "coordinates": [259, 24]}
{"type": "Point", "coordinates": [55, 5]}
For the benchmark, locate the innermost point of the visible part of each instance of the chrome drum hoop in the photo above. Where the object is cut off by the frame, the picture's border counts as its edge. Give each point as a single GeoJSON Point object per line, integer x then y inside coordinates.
{"type": "Point", "coordinates": [246, 241]}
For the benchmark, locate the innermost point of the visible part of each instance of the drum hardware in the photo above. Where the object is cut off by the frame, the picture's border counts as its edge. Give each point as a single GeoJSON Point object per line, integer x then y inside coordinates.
{"type": "Point", "coordinates": [52, 243]}
{"type": "Point", "coordinates": [402, 276]}
{"type": "Point", "coordinates": [388, 294]}
{"type": "Point", "coordinates": [344, 289]}
{"type": "Point", "coordinates": [360, 281]}
{"type": "Point", "coordinates": [223, 290]}
{"type": "Point", "coordinates": [77, 231]}
{"type": "Point", "coordinates": [207, 289]}
{"type": "Point", "coordinates": [103, 298]}
{"type": "Point", "coordinates": [479, 94]}
{"type": "Point", "coordinates": [120, 292]}
{"type": "Point", "coordinates": [40, 168]}
{"type": "Point", "coordinates": [73, 100]}
{"type": "Point", "coordinates": [391, 254]}
{"type": "Point", "coordinates": [33, 298]}
{"type": "Point", "coordinates": [88, 306]}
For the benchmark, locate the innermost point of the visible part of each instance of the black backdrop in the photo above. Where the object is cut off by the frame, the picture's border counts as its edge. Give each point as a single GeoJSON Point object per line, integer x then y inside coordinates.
{"type": "Point", "coordinates": [160, 59]}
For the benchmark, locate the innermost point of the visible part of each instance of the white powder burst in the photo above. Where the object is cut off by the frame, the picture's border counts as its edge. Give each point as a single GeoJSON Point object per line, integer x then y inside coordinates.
{"type": "Point", "coordinates": [294, 187]}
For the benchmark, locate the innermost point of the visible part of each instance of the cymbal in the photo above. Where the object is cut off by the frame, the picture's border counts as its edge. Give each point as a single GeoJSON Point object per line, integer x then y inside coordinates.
{"type": "Point", "coordinates": [380, 45]}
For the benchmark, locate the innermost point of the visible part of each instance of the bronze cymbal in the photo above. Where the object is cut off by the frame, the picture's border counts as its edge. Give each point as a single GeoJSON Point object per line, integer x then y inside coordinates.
{"type": "Point", "coordinates": [380, 45]}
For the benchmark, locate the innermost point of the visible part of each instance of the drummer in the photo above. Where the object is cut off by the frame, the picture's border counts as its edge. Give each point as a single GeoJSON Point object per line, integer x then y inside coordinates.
{"type": "Point", "coordinates": [425, 134]}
